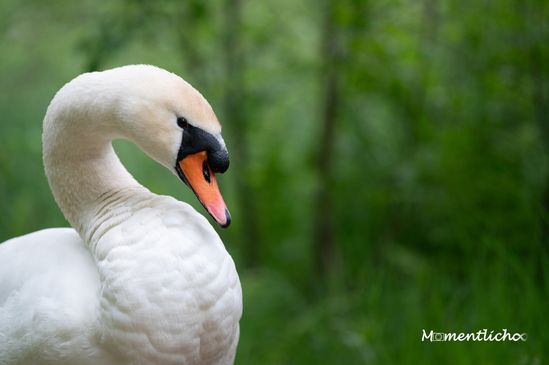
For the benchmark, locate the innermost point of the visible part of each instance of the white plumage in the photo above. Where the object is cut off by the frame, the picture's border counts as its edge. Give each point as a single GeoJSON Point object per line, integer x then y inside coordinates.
{"type": "Point", "coordinates": [142, 279]}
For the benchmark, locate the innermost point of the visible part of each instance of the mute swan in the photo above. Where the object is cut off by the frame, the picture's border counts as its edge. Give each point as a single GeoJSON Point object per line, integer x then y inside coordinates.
{"type": "Point", "coordinates": [142, 278]}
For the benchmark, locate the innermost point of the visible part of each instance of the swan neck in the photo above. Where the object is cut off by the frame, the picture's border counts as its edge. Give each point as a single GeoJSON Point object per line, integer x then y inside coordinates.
{"type": "Point", "coordinates": [82, 167]}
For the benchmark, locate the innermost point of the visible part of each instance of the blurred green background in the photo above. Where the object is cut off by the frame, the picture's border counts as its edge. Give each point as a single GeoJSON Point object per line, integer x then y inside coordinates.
{"type": "Point", "coordinates": [389, 160]}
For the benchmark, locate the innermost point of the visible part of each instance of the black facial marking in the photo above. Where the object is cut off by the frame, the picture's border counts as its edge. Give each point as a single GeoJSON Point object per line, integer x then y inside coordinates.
{"type": "Point", "coordinates": [194, 140]}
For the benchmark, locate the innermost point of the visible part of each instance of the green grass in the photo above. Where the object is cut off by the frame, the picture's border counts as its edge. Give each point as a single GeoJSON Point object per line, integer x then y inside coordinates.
{"type": "Point", "coordinates": [381, 321]}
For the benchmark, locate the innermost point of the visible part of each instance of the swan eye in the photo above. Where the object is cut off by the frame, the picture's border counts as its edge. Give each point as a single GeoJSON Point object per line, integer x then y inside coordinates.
{"type": "Point", "coordinates": [206, 171]}
{"type": "Point", "coordinates": [182, 122]}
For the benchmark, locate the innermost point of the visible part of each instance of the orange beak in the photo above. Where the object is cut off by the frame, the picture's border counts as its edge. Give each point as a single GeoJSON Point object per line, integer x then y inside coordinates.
{"type": "Point", "coordinates": [202, 181]}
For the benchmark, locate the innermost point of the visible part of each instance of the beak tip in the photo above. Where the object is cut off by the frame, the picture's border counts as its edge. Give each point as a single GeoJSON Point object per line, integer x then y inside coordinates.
{"type": "Point", "coordinates": [227, 219]}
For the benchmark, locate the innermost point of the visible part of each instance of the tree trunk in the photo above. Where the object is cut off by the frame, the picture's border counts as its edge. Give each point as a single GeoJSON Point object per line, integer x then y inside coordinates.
{"type": "Point", "coordinates": [192, 12]}
{"type": "Point", "coordinates": [326, 253]}
{"type": "Point", "coordinates": [236, 123]}
{"type": "Point", "coordinates": [541, 105]}
{"type": "Point", "coordinates": [539, 57]}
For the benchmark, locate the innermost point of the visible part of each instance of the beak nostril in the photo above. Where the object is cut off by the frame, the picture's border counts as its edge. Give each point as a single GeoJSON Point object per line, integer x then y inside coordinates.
{"type": "Point", "coordinates": [206, 171]}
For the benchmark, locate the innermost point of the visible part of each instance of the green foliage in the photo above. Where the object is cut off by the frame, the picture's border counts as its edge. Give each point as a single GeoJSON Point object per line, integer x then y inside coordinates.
{"type": "Point", "coordinates": [439, 177]}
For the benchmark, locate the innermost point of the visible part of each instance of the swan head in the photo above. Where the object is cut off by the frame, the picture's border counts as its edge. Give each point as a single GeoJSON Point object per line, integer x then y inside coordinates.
{"type": "Point", "coordinates": [176, 126]}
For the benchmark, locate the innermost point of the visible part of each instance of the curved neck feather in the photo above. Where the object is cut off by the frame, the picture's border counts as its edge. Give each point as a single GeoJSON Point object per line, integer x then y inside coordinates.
{"type": "Point", "coordinates": [81, 167]}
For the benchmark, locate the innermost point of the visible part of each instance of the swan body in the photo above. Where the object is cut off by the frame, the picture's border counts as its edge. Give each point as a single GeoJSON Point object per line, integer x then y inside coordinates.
{"type": "Point", "coordinates": [142, 278]}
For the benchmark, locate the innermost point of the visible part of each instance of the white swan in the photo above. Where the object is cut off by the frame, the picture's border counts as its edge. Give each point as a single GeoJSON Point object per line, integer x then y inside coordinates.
{"type": "Point", "coordinates": [142, 278]}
